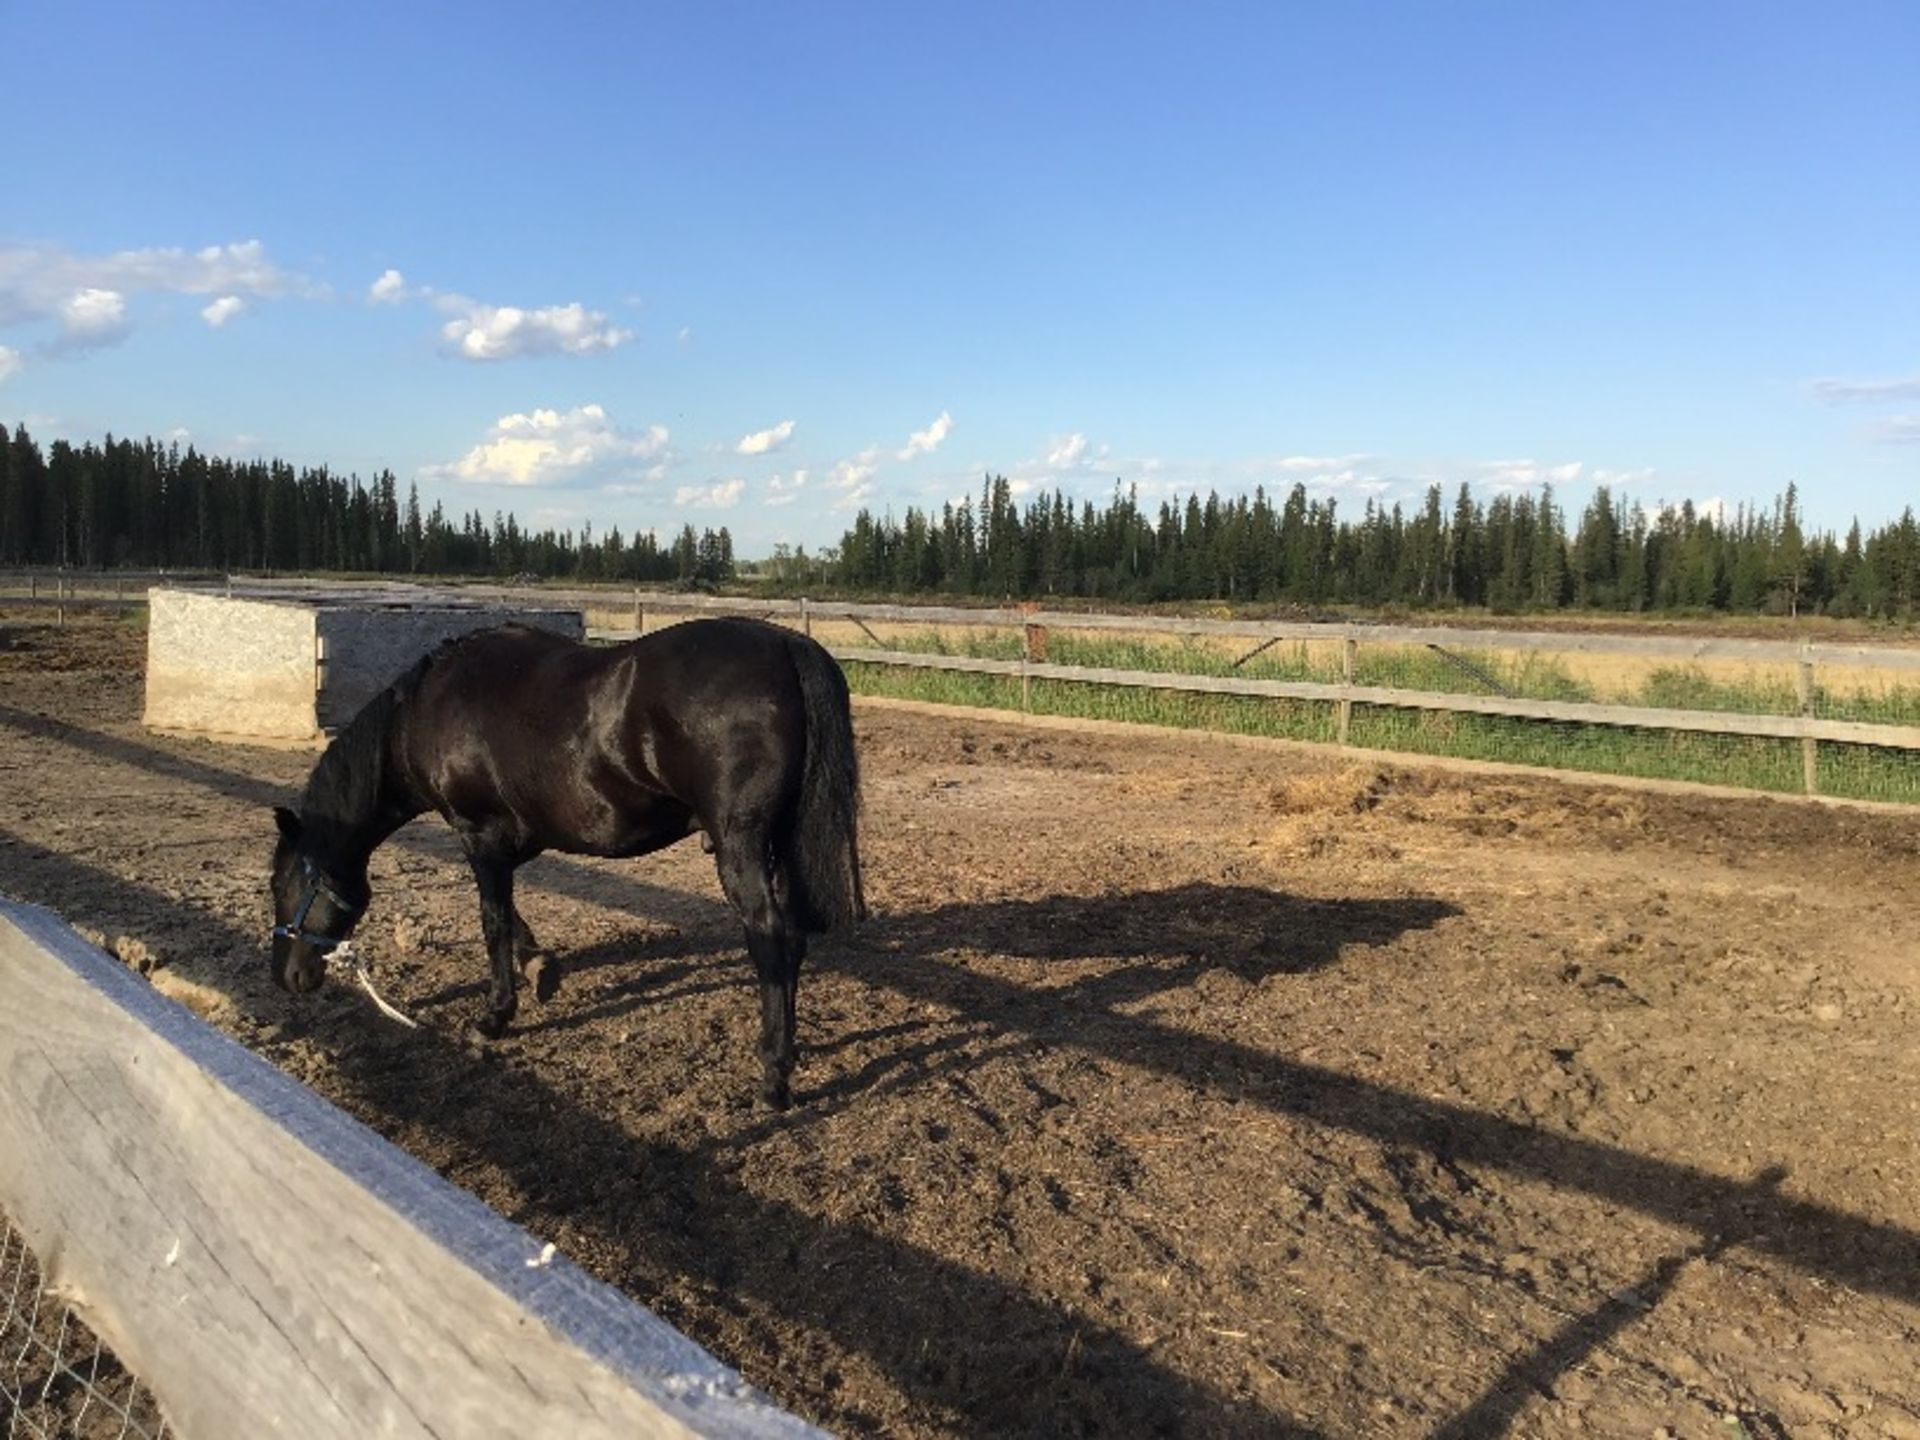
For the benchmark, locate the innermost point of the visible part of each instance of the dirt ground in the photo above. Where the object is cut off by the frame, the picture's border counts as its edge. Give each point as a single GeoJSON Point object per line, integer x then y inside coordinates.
{"type": "Point", "coordinates": [1175, 1087]}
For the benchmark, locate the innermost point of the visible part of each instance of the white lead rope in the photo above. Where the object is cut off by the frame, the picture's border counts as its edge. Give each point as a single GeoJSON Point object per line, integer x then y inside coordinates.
{"type": "Point", "coordinates": [345, 955]}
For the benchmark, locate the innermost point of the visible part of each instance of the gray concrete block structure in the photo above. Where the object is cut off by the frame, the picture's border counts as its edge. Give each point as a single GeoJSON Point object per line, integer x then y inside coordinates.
{"type": "Point", "coordinates": [286, 666]}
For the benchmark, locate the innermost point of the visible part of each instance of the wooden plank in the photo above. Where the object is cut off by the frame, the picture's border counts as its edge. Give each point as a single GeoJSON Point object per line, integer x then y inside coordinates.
{"type": "Point", "coordinates": [269, 1266]}
{"type": "Point", "coordinates": [1711, 722]}
{"type": "Point", "coordinates": [1682, 648]}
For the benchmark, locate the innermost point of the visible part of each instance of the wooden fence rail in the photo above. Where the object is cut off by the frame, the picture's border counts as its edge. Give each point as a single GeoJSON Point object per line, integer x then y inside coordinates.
{"type": "Point", "coordinates": [269, 1266]}
{"type": "Point", "coordinates": [1712, 722]}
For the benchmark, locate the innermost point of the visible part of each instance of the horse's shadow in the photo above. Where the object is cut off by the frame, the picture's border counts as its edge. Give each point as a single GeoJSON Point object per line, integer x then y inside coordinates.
{"type": "Point", "coordinates": [1109, 949]}
{"type": "Point", "coordinates": [1249, 930]}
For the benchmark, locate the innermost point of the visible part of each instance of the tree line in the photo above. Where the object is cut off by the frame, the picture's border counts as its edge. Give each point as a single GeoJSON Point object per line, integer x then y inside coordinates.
{"type": "Point", "coordinates": [149, 506]}
{"type": "Point", "coordinates": [1512, 552]}
{"type": "Point", "coordinates": [146, 505]}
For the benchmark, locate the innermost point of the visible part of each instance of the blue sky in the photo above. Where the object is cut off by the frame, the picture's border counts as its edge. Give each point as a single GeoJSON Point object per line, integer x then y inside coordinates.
{"type": "Point", "coordinates": [760, 265]}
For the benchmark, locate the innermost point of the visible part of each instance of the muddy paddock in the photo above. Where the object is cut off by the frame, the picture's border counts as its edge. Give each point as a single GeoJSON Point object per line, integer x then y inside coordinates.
{"type": "Point", "coordinates": [1174, 1088]}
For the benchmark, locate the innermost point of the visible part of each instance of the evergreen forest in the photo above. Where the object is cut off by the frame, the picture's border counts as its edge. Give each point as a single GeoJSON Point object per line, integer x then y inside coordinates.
{"type": "Point", "coordinates": [144, 505]}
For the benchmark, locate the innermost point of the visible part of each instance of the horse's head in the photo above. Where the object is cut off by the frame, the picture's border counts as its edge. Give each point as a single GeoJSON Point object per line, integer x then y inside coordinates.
{"type": "Point", "coordinates": [315, 906]}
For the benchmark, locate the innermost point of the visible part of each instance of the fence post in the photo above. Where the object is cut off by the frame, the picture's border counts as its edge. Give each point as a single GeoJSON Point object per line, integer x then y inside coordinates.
{"type": "Point", "coordinates": [1347, 648]}
{"type": "Point", "coordinates": [1033, 651]}
{"type": "Point", "coordinates": [806, 618]}
{"type": "Point", "coordinates": [1809, 747]}
{"type": "Point", "coordinates": [637, 616]}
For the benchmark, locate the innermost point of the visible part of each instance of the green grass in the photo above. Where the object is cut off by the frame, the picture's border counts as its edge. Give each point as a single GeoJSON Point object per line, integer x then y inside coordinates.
{"type": "Point", "coordinates": [1869, 772]}
{"type": "Point", "coordinates": [1748, 762]}
{"type": "Point", "coordinates": [1691, 688]}
{"type": "Point", "coordinates": [1522, 674]}
{"type": "Point", "coordinates": [1745, 762]}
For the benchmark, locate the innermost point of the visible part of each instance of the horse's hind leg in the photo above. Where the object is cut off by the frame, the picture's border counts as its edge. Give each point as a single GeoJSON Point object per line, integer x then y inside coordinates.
{"type": "Point", "coordinates": [776, 946]}
{"type": "Point", "coordinates": [542, 971]}
{"type": "Point", "coordinates": [776, 961]}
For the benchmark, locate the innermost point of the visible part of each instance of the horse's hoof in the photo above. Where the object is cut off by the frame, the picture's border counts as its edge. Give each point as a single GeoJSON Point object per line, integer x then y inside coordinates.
{"type": "Point", "coordinates": [777, 1097]}
{"type": "Point", "coordinates": [491, 1026]}
{"type": "Point", "coordinates": [543, 974]}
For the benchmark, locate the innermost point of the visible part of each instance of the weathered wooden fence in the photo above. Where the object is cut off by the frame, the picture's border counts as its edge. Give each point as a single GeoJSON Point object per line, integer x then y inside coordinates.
{"type": "Point", "coordinates": [1345, 673]}
{"type": "Point", "coordinates": [1458, 651]}
{"type": "Point", "coordinates": [269, 1266]}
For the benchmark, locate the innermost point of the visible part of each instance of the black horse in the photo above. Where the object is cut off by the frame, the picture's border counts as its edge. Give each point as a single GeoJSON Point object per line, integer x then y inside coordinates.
{"type": "Point", "coordinates": [527, 742]}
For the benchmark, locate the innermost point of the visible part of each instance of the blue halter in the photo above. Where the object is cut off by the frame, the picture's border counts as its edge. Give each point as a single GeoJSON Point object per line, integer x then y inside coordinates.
{"type": "Point", "coordinates": [318, 886]}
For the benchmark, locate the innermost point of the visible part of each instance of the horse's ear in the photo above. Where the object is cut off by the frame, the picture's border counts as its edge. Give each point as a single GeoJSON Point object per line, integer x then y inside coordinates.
{"type": "Point", "coordinates": [288, 822]}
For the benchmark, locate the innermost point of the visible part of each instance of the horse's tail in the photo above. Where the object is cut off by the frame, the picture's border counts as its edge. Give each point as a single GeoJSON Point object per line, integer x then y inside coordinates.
{"type": "Point", "coordinates": [823, 842]}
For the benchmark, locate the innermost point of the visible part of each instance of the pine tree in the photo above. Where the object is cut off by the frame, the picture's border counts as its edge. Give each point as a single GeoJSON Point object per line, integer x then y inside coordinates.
{"type": "Point", "coordinates": [1789, 569]}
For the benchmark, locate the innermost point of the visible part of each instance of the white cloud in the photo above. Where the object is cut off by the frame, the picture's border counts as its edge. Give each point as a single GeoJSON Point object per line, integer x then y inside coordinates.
{"type": "Point", "coordinates": [785, 492]}
{"type": "Point", "coordinates": [849, 474]}
{"type": "Point", "coordinates": [925, 442]}
{"type": "Point", "coordinates": [1311, 464]}
{"type": "Point", "coordinates": [762, 441]}
{"type": "Point", "coordinates": [89, 297]}
{"type": "Point", "coordinates": [647, 483]}
{"type": "Point", "coordinates": [1524, 474]}
{"type": "Point", "coordinates": [41, 276]}
{"type": "Point", "coordinates": [10, 364]}
{"type": "Point", "coordinates": [1070, 460]}
{"type": "Point", "coordinates": [1622, 479]}
{"type": "Point", "coordinates": [856, 496]}
{"type": "Point", "coordinates": [222, 310]}
{"type": "Point", "coordinates": [721, 495]}
{"type": "Point", "coordinates": [1066, 451]}
{"type": "Point", "coordinates": [389, 289]}
{"type": "Point", "coordinates": [685, 337]}
{"type": "Point", "coordinates": [553, 447]}
{"type": "Point", "coordinates": [1850, 392]}
{"type": "Point", "coordinates": [505, 332]}
{"type": "Point", "coordinates": [93, 317]}
{"type": "Point", "coordinates": [1898, 430]}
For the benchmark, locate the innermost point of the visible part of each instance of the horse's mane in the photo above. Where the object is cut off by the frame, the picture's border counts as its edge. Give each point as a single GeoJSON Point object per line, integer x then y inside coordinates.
{"type": "Point", "coordinates": [346, 783]}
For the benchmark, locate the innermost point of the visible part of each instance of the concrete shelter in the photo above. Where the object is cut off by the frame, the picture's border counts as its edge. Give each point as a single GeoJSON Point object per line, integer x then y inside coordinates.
{"type": "Point", "coordinates": [287, 665]}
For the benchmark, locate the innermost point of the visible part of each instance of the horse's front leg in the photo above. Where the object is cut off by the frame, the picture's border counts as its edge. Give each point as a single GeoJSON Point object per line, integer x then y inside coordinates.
{"type": "Point", "coordinates": [494, 877]}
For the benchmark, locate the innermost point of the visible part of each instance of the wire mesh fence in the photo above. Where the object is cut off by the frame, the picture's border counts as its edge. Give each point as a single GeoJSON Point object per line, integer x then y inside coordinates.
{"type": "Point", "coordinates": [57, 1382]}
{"type": "Point", "coordinates": [1513, 669]}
